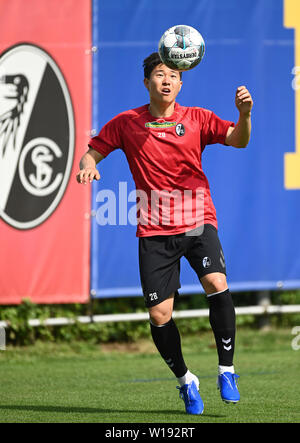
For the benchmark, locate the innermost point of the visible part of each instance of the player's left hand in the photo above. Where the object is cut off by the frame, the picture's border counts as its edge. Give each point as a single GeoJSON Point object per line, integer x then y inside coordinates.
{"type": "Point", "coordinates": [243, 100]}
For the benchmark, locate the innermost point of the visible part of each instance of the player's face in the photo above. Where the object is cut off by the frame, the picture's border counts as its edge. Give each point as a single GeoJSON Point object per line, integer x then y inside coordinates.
{"type": "Point", "coordinates": [164, 84]}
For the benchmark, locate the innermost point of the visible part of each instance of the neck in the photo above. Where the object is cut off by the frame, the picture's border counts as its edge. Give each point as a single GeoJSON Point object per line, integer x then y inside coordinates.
{"type": "Point", "coordinates": [161, 110]}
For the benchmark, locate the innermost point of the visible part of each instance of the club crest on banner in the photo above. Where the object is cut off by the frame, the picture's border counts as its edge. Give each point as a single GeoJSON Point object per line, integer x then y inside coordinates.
{"type": "Point", "coordinates": [36, 136]}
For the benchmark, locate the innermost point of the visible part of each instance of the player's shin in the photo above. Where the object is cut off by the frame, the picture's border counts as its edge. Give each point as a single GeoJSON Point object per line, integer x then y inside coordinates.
{"type": "Point", "coordinates": [222, 320]}
{"type": "Point", "coordinates": [167, 340]}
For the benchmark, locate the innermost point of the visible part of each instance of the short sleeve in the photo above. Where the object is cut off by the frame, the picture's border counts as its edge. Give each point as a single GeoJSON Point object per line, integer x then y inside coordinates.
{"type": "Point", "coordinates": [214, 129]}
{"type": "Point", "coordinates": [109, 138]}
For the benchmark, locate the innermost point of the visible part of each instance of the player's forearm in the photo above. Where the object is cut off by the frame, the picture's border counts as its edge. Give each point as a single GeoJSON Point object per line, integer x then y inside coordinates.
{"type": "Point", "coordinates": [87, 166]}
{"type": "Point", "coordinates": [90, 159]}
{"type": "Point", "coordinates": [240, 136]}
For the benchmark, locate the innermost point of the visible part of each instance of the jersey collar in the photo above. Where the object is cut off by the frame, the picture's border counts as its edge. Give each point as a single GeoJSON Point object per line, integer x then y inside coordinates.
{"type": "Point", "coordinates": [167, 119]}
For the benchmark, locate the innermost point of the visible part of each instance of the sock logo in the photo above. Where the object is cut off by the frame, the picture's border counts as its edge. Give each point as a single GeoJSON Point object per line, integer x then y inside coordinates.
{"type": "Point", "coordinates": [169, 362]}
{"type": "Point", "coordinates": [36, 136]}
{"type": "Point", "coordinates": [226, 342]}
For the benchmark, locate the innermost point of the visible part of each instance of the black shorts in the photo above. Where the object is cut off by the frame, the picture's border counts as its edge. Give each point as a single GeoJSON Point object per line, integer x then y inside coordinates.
{"type": "Point", "coordinates": [159, 260]}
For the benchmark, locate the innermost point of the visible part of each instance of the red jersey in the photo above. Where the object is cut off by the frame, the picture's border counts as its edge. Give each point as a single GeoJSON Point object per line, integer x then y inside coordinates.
{"type": "Point", "coordinates": [164, 157]}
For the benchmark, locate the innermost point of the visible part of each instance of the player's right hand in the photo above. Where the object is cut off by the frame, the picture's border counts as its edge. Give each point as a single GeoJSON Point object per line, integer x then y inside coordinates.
{"type": "Point", "coordinates": [87, 175]}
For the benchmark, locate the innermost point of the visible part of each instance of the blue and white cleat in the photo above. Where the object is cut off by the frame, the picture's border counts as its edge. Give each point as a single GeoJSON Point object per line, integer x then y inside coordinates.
{"type": "Point", "coordinates": [191, 397]}
{"type": "Point", "coordinates": [228, 387]}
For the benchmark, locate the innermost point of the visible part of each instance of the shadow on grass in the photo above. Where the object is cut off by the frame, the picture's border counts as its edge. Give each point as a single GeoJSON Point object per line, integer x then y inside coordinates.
{"type": "Point", "coordinates": [88, 410]}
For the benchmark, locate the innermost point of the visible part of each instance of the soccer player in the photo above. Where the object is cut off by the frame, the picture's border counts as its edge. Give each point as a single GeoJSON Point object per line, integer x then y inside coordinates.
{"type": "Point", "coordinates": [163, 143]}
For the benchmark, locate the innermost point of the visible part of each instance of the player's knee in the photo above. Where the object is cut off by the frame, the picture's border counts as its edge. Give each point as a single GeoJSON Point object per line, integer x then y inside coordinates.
{"type": "Point", "coordinates": [161, 313]}
{"type": "Point", "coordinates": [159, 318]}
{"type": "Point", "coordinates": [215, 282]}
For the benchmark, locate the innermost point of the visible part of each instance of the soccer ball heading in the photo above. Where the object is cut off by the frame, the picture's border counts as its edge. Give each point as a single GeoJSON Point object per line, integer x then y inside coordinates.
{"type": "Point", "coordinates": [181, 47]}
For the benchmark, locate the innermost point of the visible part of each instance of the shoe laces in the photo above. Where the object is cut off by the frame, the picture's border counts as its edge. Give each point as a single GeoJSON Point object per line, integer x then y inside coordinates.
{"type": "Point", "coordinates": [231, 378]}
{"type": "Point", "coordinates": [184, 393]}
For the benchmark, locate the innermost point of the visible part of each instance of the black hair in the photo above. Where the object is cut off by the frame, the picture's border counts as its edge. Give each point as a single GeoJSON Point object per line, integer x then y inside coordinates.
{"type": "Point", "coordinates": [151, 62]}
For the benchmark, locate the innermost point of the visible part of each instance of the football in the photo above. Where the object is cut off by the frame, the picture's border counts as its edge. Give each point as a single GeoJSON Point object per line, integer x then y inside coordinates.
{"type": "Point", "coordinates": [181, 47]}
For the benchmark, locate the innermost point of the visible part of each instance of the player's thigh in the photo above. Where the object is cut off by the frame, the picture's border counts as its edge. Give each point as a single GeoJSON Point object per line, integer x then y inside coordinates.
{"type": "Point", "coordinates": [159, 263]}
{"type": "Point", "coordinates": [206, 257]}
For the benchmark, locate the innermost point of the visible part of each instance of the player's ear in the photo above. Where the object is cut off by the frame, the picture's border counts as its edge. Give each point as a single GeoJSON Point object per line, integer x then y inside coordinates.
{"type": "Point", "coordinates": [146, 83]}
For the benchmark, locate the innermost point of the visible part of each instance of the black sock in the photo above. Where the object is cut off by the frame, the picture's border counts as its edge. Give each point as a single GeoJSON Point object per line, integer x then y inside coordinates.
{"type": "Point", "coordinates": [222, 320]}
{"type": "Point", "coordinates": [167, 340]}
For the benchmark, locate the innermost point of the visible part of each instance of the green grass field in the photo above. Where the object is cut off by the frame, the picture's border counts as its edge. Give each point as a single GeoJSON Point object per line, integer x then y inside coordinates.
{"type": "Point", "coordinates": [131, 384]}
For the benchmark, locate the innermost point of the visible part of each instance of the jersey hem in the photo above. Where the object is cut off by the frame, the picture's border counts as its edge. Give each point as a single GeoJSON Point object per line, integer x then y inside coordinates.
{"type": "Point", "coordinates": [175, 231]}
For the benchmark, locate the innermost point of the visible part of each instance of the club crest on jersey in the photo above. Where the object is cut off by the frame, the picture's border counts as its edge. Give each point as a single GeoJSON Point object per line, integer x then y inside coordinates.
{"type": "Point", "coordinates": [36, 136]}
{"type": "Point", "coordinates": [180, 129]}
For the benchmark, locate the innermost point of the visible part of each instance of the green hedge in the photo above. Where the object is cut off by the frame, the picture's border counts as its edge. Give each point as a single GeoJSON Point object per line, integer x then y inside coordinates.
{"type": "Point", "coordinates": [20, 333]}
